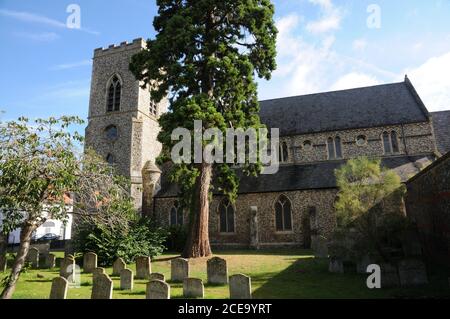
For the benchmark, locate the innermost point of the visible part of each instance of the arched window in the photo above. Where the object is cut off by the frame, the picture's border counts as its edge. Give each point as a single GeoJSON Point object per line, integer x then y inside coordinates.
{"type": "Point", "coordinates": [153, 108]}
{"type": "Point", "coordinates": [390, 142]}
{"type": "Point", "coordinates": [283, 214]}
{"type": "Point", "coordinates": [176, 215]}
{"type": "Point", "coordinates": [226, 216]}
{"type": "Point", "coordinates": [283, 152]}
{"type": "Point", "coordinates": [110, 159]}
{"type": "Point", "coordinates": [114, 93]}
{"type": "Point", "coordinates": [334, 147]}
{"type": "Point", "coordinates": [111, 132]}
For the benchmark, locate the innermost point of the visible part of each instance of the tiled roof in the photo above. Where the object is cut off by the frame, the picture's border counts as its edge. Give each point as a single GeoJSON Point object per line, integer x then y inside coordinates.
{"type": "Point", "coordinates": [441, 125]}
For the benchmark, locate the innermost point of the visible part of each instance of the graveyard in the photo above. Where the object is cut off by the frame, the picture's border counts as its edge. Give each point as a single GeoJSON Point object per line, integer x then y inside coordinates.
{"type": "Point", "coordinates": [285, 273]}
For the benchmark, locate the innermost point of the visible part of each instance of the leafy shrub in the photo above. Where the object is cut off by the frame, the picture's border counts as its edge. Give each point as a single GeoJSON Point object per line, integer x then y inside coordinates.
{"type": "Point", "coordinates": [176, 239]}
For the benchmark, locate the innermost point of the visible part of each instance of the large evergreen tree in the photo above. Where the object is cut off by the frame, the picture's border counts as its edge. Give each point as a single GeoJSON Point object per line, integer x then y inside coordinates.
{"type": "Point", "coordinates": [205, 56]}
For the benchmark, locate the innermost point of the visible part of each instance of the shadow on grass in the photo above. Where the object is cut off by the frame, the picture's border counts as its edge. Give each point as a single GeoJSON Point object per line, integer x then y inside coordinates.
{"type": "Point", "coordinates": [39, 280]}
{"type": "Point", "coordinates": [132, 293]}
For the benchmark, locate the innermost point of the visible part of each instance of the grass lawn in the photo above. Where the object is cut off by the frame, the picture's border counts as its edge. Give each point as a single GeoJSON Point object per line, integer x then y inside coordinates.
{"type": "Point", "coordinates": [275, 274]}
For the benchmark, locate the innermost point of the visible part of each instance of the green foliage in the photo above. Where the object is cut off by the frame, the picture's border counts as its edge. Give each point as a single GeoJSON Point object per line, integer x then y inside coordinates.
{"type": "Point", "coordinates": [206, 55]}
{"type": "Point", "coordinates": [140, 238]}
{"type": "Point", "coordinates": [176, 239]}
{"type": "Point", "coordinates": [37, 165]}
{"type": "Point", "coordinates": [368, 209]}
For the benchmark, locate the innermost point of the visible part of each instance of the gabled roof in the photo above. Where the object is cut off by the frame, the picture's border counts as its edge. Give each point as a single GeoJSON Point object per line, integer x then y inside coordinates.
{"type": "Point", "coordinates": [306, 176]}
{"type": "Point", "coordinates": [380, 105]}
{"type": "Point", "coordinates": [441, 125]}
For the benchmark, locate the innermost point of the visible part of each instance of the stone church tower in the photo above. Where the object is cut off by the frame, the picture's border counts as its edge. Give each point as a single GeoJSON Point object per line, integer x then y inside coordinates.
{"type": "Point", "coordinates": [122, 121]}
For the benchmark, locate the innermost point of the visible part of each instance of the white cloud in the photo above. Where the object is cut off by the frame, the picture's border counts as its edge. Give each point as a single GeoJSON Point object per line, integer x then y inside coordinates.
{"type": "Point", "coordinates": [353, 80]}
{"type": "Point", "coordinates": [330, 17]}
{"type": "Point", "coordinates": [359, 44]}
{"type": "Point", "coordinates": [73, 65]}
{"type": "Point", "coordinates": [40, 19]}
{"type": "Point", "coordinates": [431, 80]}
{"type": "Point", "coordinates": [39, 37]}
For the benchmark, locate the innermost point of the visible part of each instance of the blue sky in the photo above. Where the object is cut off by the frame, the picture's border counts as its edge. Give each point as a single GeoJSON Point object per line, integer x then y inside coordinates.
{"type": "Point", "coordinates": [323, 45]}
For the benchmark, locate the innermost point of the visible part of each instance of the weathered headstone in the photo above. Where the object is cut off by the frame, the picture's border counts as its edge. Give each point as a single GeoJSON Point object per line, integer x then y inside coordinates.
{"type": "Point", "coordinates": [89, 262]}
{"type": "Point", "coordinates": [102, 287]}
{"type": "Point", "coordinates": [217, 270]}
{"type": "Point", "coordinates": [33, 257]}
{"type": "Point", "coordinates": [98, 271]}
{"type": "Point", "coordinates": [412, 272]}
{"type": "Point", "coordinates": [240, 287]}
{"type": "Point", "coordinates": [157, 276]}
{"type": "Point", "coordinates": [126, 279]}
{"type": "Point", "coordinates": [143, 267]}
{"type": "Point", "coordinates": [254, 236]}
{"type": "Point", "coordinates": [157, 289]}
{"type": "Point", "coordinates": [59, 288]}
{"type": "Point", "coordinates": [193, 288]}
{"type": "Point", "coordinates": [389, 276]}
{"type": "Point", "coordinates": [336, 265]}
{"type": "Point", "coordinates": [50, 261]}
{"type": "Point", "coordinates": [179, 268]}
{"type": "Point", "coordinates": [319, 246]}
{"type": "Point", "coordinates": [67, 267]}
{"type": "Point", "coordinates": [118, 266]}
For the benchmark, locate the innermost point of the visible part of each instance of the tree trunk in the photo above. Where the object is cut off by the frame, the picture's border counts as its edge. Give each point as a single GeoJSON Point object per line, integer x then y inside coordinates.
{"type": "Point", "coordinates": [197, 244]}
{"type": "Point", "coordinates": [25, 238]}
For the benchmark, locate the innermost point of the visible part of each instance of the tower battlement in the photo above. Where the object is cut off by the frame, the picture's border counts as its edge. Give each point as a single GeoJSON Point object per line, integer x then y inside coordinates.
{"type": "Point", "coordinates": [138, 43]}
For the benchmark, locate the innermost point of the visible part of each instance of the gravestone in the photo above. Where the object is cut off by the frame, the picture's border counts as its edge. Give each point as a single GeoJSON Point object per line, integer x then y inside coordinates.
{"type": "Point", "coordinates": [89, 262]}
{"type": "Point", "coordinates": [336, 265]}
{"type": "Point", "coordinates": [179, 269]}
{"type": "Point", "coordinates": [67, 267]}
{"type": "Point", "coordinates": [411, 244]}
{"type": "Point", "coordinates": [157, 289]}
{"type": "Point", "coordinates": [33, 257]}
{"type": "Point", "coordinates": [50, 261]}
{"type": "Point", "coordinates": [217, 271]}
{"type": "Point", "coordinates": [389, 276]}
{"type": "Point", "coordinates": [193, 288]}
{"type": "Point", "coordinates": [412, 272]}
{"type": "Point", "coordinates": [143, 267]}
{"type": "Point", "coordinates": [3, 263]}
{"type": "Point", "coordinates": [319, 246]}
{"type": "Point", "coordinates": [240, 287]}
{"type": "Point", "coordinates": [118, 266]}
{"type": "Point", "coordinates": [59, 288]}
{"type": "Point", "coordinates": [254, 237]}
{"type": "Point", "coordinates": [98, 271]}
{"type": "Point", "coordinates": [126, 279]}
{"type": "Point", "coordinates": [157, 276]}
{"type": "Point", "coordinates": [102, 287]}
{"type": "Point", "coordinates": [362, 263]}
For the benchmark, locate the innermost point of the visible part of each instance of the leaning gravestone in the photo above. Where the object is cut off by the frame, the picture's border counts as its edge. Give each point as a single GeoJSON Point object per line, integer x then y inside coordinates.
{"type": "Point", "coordinates": [157, 289]}
{"type": "Point", "coordinates": [319, 246]}
{"type": "Point", "coordinates": [389, 276]}
{"type": "Point", "coordinates": [98, 271]}
{"type": "Point", "coordinates": [179, 269]}
{"type": "Point", "coordinates": [143, 267]}
{"type": "Point", "coordinates": [33, 257]}
{"type": "Point", "coordinates": [59, 288]}
{"type": "Point", "coordinates": [50, 261]}
{"type": "Point", "coordinates": [193, 288]}
{"type": "Point", "coordinates": [240, 287]}
{"type": "Point", "coordinates": [336, 265]}
{"type": "Point", "coordinates": [217, 271]}
{"type": "Point", "coordinates": [157, 276]}
{"type": "Point", "coordinates": [412, 272]}
{"type": "Point", "coordinates": [67, 267]}
{"type": "Point", "coordinates": [102, 287]}
{"type": "Point", "coordinates": [118, 266]}
{"type": "Point", "coordinates": [89, 262]}
{"type": "Point", "coordinates": [126, 279]}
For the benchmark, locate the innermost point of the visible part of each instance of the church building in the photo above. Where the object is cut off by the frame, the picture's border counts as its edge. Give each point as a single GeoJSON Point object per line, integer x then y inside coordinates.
{"type": "Point", "coordinates": [318, 133]}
